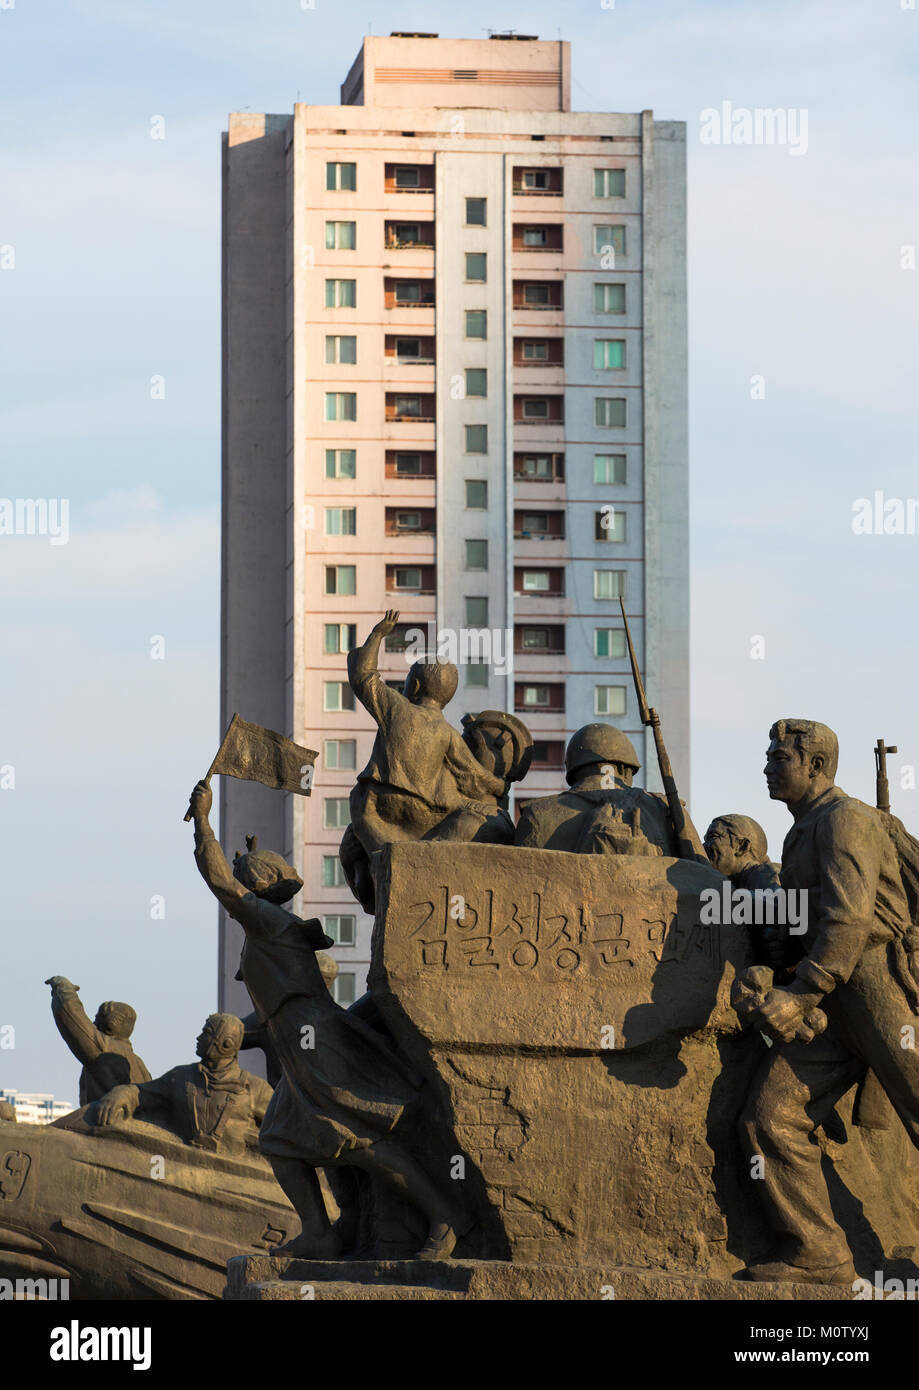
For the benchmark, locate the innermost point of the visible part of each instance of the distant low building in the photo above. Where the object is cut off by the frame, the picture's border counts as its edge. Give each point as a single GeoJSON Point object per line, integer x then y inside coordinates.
{"type": "Point", "coordinates": [35, 1108]}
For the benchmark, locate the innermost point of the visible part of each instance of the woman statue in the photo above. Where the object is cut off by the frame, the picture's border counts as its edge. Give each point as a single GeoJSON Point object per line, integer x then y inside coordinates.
{"type": "Point", "coordinates": [343, 1088]}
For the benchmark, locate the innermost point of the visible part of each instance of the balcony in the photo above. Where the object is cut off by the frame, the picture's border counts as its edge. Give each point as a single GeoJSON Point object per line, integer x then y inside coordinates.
{"type": "Point", "coordinates": [538, 182]}
{"type": "Point", "coordinates": [539, 526]}
{"type": "Point", "coordinates": [539, 641]}
{"type": "Point", "coordinates": [408, 178]}
{"type": "Point", "coordinates": [539, 697]}
{"type": "Point", "coordinates": [539, 296]}
{"type": "Point", "coordinates": [548, 755]}
{"type": "Point", "coordinates": [406, 409]}
{"type": "Point", "coordinates": [409, 465]}
{"type": "Point", "coordinates": [407, 352]}
{"type": "Point", "coordinates": [407, 294]}
{"type": "Point", "coordinates": [539, 410]}
{"type": "Point", "coordinates": [410, 521]}
{"type": "Point", "coordinates": [406, 236]}
{"type": "Point", "coordinates": [539, 352]}
{"type": "Point", "coordinates": [531, 582]}
{"type": "Point", "coordinates": [539, 468]}
{"type": "Point", "coordinates": [406, 581]}
{"type": "Point", "coordinates": [541, 236]}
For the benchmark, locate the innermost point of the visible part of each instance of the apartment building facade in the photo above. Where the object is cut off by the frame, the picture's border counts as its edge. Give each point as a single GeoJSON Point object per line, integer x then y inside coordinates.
{"type": "Point", "coordinates": [454, 384]}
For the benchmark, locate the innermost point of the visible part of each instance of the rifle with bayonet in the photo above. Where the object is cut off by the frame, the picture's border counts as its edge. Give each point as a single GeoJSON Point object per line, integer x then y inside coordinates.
{"type": "Point", "coordinates": [689, 844]}
{"type": "Point", "coordinates": [882, 787]}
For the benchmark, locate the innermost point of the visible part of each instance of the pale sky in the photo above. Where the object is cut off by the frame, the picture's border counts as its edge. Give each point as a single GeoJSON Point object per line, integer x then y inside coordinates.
{"type": "Point", "coordinates": [794, 276]}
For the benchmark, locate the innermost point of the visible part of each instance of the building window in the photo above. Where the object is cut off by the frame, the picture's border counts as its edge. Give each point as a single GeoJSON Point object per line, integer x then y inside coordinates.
{"type": "Point", "coordinates": [536, 294]}
{"type": "Point", "coordinates": [407, 578]}
{"type": "Point", "coordinates": [340, 579]}
{"type": "Point", "coordinates": [609, 299]}
{"type": "Point", "coordinates": [536, 695]}
{"type": "Point", "coordinates": [408, 291]}
{"type": "Point", "coordinates": [476, 494]}
{"type": "Point", "coordinates": [476, 439]}
{"type": "Point", "coordinates": [609, 525]}
{"type": "Point", "coordinates": [408, 463]}
{"type": "Point", "coordinates": [609, 183]}
{"type": "Point", "coordinates": [536, 408]}
{"type": "Point", "coordinates": [333, 875]}
{"type": "Point", "coordinates": [339, 753]}
{"type": "Point", "coordinates": [477, 555]}
{"type": "Point", "coordinates": [476, 381]}
{"type": "Point", "coordinates": [535, 236]}
{"type": "Point", "coordinates": [476, 266]}
{"type": "Point", "coordinates": [341, 463]}
{"type": "Point", "coordinates": [609, 699]}
{"type": "Point", "coordinates": [535, 179]}
{"type": "Point", "coordinates": [341, 178]}
{"type": "Point", "coordinates": [340, 236]}
{"type": "Point", "coordinates": [475, 212]}
{"type": "Point", "coordinates": [609, 642]}
{"type": "Point", "coordinates": [477, 672]}
{"type": "Point", "coordinates": [341, 521]}
{"type": "Point", "coordinates": [408, 521]}
{"type": "Point", "coordinates": [536, 466]}
{"type": "Point", "coordinates": [341, 405]}
{"type": "Point", "coordinates": [340, 294]}
{"type": "Point", "coordinates": [409, 405]}
{"type": "Point", "coordinates": [476, 323]}
{"type": "Point", "coordinates": [536, 581]}
{"type": "Point", "coordinates": [609, 468]}
{"type": "Point", "coordinates": [609, 412]}
{"type": "Point", "coordinates": [609, 583]}
{"type": "Point", "coordinates": [608, 239]}
{"type": "Point", "coordinates": [407, 176]}
{"type": "Point", "coordinates": [337, 696]}
{"type": "Point", "coordinates": [408, 347]}
{"type": "Point", "coordinates": [477, 612]}
{"type": "Point", "coordinates": [608, 353]}
{"type": "Point", "coordinates": [336, 813]}
{"type": "Point", "coordinates": [340, 928]}
{"type": "Point", "coordinates": [343, 988]}
{"type": "Point", "coordinates": [340, 350]}
{"type": "Point", "coordinates": [535, 352]}
{"type": "Point", "coordinates": [340, 638]}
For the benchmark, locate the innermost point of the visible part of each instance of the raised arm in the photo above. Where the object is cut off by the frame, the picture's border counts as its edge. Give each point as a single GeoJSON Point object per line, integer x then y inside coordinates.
{"type": "Point", "coordinates": [366, 682]}
{"type": "Point", "coordinates": [210, 858]}
{"type": "Point", "coordinates": [83, 1038]}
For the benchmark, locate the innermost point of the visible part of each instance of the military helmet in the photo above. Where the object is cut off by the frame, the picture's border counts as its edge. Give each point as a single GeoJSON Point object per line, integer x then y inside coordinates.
{"type": "Point", "coordinates": [598, 743]}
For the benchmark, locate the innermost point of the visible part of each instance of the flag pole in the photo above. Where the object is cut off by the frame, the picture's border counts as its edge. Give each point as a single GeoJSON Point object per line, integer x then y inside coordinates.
{"type": "Point", "coordinates": [216, 759]}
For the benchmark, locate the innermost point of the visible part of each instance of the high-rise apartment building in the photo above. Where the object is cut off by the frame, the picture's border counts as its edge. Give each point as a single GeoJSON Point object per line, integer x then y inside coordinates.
{"type": "Point", "coordinates": [454, 384]}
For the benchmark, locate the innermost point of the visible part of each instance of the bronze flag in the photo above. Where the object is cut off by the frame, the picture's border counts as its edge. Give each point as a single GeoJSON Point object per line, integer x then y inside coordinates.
{"type": "Point", "coordinates": [260, 755]}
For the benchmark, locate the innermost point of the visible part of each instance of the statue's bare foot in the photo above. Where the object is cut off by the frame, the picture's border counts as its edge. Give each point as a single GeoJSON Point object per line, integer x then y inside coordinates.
{"type": "Point", "coordinates": [304, 1247]}
{"type": "Point", "coordinates": [439, 1244]}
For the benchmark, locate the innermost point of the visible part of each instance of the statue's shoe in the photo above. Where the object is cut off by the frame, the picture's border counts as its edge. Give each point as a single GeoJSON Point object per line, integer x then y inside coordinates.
{"type": "Point", "coordinates": [440, 1243]}
{"type": "Point", "coordinates": [777, 1272]}
{"type": "Point", "coordinates": [303, 1247]}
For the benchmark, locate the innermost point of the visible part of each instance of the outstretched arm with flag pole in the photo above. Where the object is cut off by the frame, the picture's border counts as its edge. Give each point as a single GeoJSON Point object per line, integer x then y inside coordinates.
{"type": "Point", "coordinates": [256, 754]}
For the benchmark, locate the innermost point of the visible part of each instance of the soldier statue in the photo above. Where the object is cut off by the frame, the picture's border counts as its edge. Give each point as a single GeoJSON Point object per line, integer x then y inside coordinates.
{"type": "Point", "coordinates": [857, 972]}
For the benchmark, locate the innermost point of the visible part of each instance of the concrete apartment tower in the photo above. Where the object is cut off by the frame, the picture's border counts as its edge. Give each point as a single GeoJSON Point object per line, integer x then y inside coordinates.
{"type": "Point", "coordinates": [454, 346]}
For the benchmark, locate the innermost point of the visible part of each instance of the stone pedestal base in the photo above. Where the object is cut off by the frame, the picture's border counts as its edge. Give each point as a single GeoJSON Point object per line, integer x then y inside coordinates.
{"type": "Point", "coordinates": [273, 1278]}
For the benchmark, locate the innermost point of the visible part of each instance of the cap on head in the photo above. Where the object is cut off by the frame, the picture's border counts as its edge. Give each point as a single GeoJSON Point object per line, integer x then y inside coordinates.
{"type": "Point", "coordinates": [119, 1019]}
{"type": "Point", "coordinates": [810, 739]}
{"type": "Point", "coordinates": [746, 828]}
{"type": "Point", "coordinates": [433, 680]}
{"type": "Point", "coordinates": [227, 1028]}
{"type": "Point", "coordinates": [266, 874]}
{"type": "Point", "coordinates": [598, 743]}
